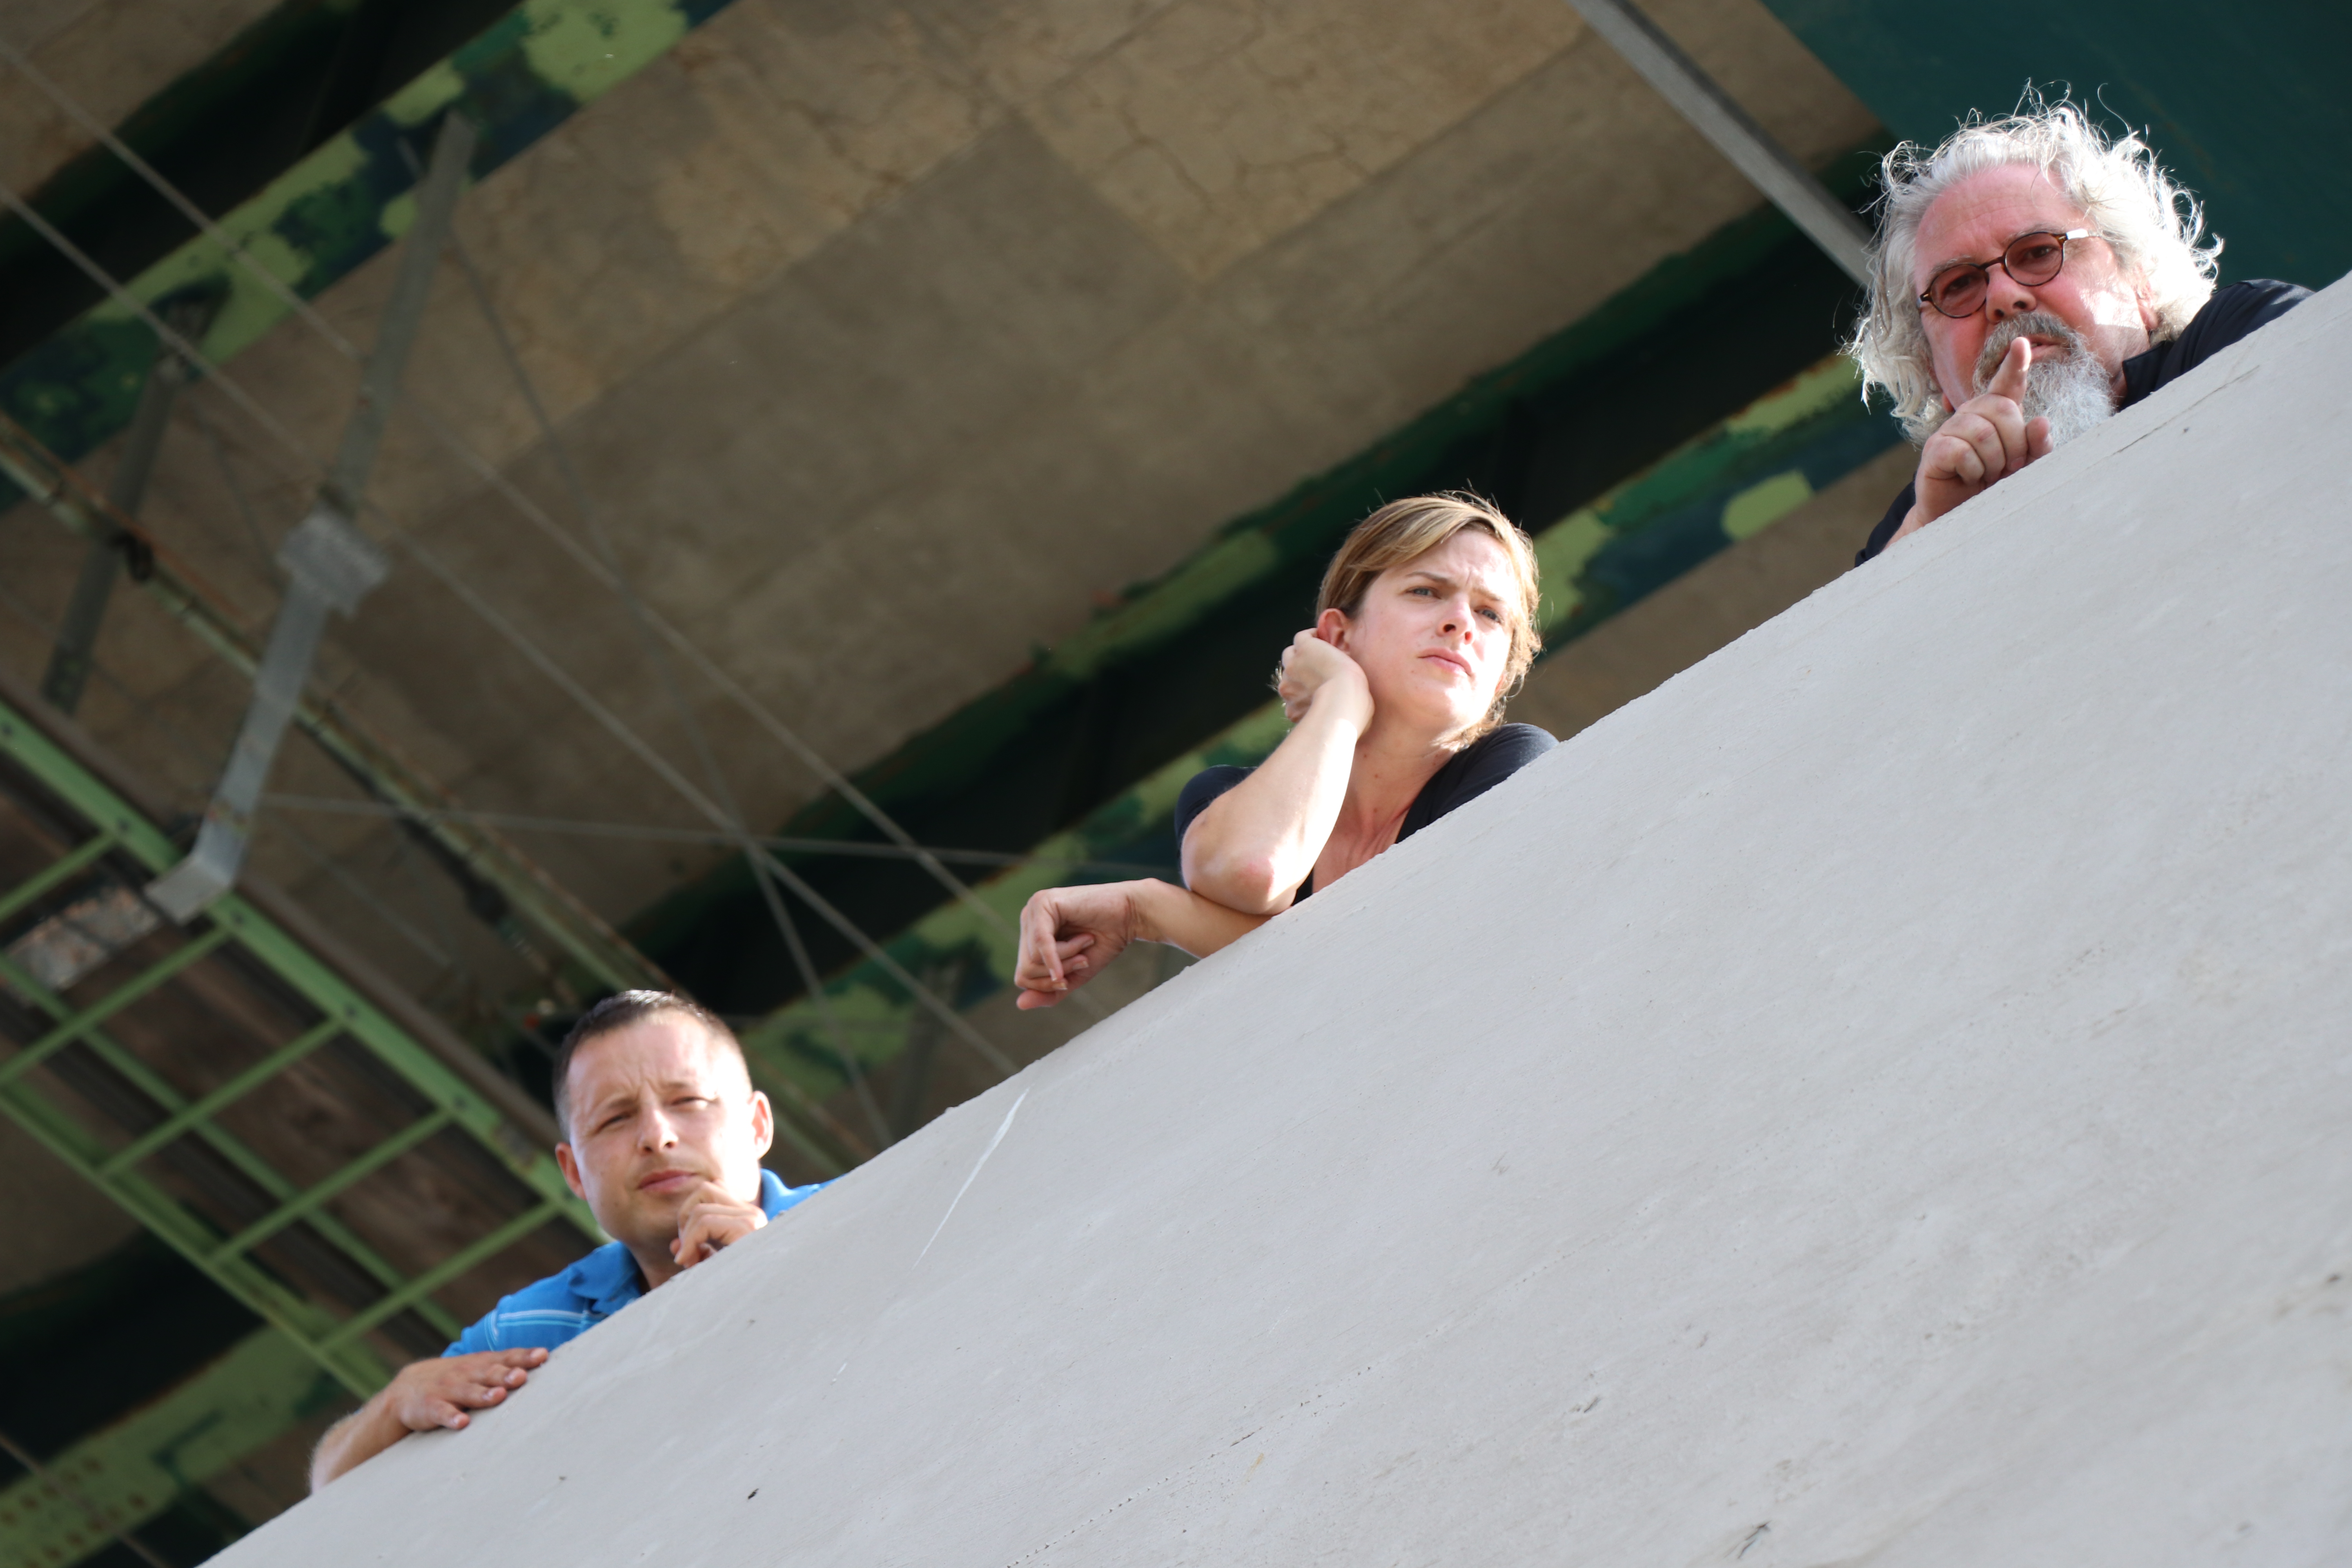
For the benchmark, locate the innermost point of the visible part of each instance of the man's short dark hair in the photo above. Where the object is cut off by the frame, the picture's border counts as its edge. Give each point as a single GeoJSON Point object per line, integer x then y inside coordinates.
{"type": "Point", "coordinates": [618, 1012]}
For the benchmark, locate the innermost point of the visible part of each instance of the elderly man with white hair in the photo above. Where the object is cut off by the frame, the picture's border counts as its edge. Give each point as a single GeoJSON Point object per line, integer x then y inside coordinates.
{"type": "Point", "coordinates": [2032, 277]}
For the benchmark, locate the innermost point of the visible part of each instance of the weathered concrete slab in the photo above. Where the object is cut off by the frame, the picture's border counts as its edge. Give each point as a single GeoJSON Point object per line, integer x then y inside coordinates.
{"type": "Point", "coordinates": [1881, 1097]}
{"type": "Point", "coordinates": [931, 314]}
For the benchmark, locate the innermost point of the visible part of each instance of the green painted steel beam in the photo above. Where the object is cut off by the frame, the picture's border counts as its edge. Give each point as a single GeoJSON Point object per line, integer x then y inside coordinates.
{"type": "Point", "coordinates": [1728, 484]}
{"type": "Point", "coordinates": [604, 957]}
{"type": "Point", "coordinates": [220, 1099]}
{"type": "Point", "coordinates": [417, 1291]}
{"type": "Point", "coordinates": [304, 1204]}
{"type": "Point", "coordinates": [304, 1322]}
{"type": "Point", "coordinates": [314, 223]}
{"type": "Point", "coordinates": [332, 1340]}
{"type": "Point", "coordinates": [135, 1468]}
{"type": "Point", "coordinates": [74, 1026]}
{"type": "Point", "coordinates": [82, 1029]}
{"type": "Point", "coordinates": [29, 465]}
{"type": "Point", "coordinates": [310, 977]}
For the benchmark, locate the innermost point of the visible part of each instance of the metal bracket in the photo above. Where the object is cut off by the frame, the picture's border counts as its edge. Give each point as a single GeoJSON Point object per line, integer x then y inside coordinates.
{"type": "Point", "coordinates": [102, 559]}
{"type": "Point", "coordinates": [330, 564]}
{"type": "Point", "coordinates": [1716, 115]}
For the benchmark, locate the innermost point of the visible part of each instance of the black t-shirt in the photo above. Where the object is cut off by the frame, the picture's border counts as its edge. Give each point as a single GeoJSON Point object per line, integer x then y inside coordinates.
{"type": "Point", "coordinates": [1471, 772]}
{"type": "Point", "coordinates": [2229, 315]}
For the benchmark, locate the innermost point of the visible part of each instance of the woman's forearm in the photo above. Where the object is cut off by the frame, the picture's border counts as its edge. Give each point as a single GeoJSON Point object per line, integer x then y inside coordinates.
{"type": "Point", "coordinates": [1258, 841]}
{"type": "Point", "coordinates": [1183, 919]}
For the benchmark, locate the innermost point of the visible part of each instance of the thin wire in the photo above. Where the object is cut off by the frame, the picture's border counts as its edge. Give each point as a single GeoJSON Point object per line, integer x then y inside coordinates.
{"type": "Point", "coordinates": [505, 628]}
{"type": "Point", "coordinates": [302, 309]}
{"type": "Point", "coordinates": [593, 517]}
{"type": "Point", "coordinates": [443, 932]}
{"type": "Point", "coordinates": [229, 386]}
{"type": "Point", "coordinates": [169, 192]}
{"type": "Point", "coordinates": [375, 906]}
{"type": "Point", "coordinates": [525, 822]}
{"type": "Point", "coordinates": [424, 556]}
{"type": "Point", "coordinates": [209, 767]}
{"type": "Point", "coordinates": [235, 490]}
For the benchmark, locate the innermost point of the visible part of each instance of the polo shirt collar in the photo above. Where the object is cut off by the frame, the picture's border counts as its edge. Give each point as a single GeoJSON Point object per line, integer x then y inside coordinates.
{"type": "Point", "coordinates": [608, 1279]}
{"type": "Point", "coordinates": [774, 1197]}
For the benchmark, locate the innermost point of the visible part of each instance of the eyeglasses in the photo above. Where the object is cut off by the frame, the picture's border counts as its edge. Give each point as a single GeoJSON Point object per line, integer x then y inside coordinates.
{"type": "Point", "coordinates": [2032, 259]}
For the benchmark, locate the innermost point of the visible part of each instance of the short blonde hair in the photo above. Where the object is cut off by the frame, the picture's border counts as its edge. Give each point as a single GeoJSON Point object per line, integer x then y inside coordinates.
{"type": "Point", "coordinates": [1405, 530]}
{"type": "Point", "coordinates": [2154, 225]}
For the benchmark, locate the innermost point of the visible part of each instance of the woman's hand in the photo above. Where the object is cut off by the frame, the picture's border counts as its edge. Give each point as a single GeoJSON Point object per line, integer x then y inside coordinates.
{"type": "Point", "coordinates": [1313, 667]}
{"type": "Point", "coordinates": [1069, 935]}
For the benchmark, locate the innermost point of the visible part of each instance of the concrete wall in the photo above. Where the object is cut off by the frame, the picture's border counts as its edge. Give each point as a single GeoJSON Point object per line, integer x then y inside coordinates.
{"type": "Point", "coordinates": [1931, 1153]}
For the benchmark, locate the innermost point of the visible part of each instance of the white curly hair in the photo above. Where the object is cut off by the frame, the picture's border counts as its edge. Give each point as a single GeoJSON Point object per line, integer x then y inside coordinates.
{"type": "Point", "coordinates": [2156, 226]}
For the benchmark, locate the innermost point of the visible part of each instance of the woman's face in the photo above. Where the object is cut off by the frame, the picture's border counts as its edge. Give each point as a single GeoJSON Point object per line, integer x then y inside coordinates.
{"type": "Point", "coordinates": [1433, 635]}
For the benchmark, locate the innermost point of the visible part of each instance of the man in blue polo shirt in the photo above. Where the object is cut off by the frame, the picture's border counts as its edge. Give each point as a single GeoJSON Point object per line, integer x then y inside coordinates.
{"type": "Point", "coordinates": [662, 1135]}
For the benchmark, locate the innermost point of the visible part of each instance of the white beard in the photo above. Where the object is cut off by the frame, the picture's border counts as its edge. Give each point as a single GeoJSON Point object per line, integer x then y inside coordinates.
{"type": "Point", "coordinates": [2074, 393]}
{"type": "Point", "coordinates": [2073, 390]}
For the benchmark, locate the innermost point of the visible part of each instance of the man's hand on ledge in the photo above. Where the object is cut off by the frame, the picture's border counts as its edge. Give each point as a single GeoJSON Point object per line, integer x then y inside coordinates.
{"type": "Point", "coordinates": [710, 1220]}
{"type": "Point", "coordinates": [424, 1396]}
{"type": "Point", "coordinates": [1986, 439]}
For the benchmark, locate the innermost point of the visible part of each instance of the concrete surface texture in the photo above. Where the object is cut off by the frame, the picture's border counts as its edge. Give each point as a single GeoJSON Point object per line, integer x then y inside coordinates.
{"type": "Point", "coordinates": [890, 337]}
{"type": "Point", "coordinates": [1932, 1151]}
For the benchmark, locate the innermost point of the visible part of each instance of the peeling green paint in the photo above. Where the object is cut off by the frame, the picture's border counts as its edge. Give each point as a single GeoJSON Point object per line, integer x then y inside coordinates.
{"type": "Point", "coordinates": [439, 86]}
{"type": "Point", "coordinates": [586, 50]}
{"type": "Point", "coordinates": [327, 214]}
{"type": "Point", "coordinates": [1228, 565]}
{"type": "Point", "coordinates": [1831, 382]}
{"type": "Point", "coordinates": [1561, 553]}
{"type": "Point", "coordinates": [1762, 504]}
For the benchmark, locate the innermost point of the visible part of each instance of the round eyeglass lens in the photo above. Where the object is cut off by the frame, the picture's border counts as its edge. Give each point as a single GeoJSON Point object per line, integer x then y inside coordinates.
{"type": "Point", "coordinates": [1958, 291]}
{"type": "Point", "coordinates": [2031, 258]}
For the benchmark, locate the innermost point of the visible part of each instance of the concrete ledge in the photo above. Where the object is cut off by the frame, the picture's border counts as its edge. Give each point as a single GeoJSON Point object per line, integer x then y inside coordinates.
{"type": "Point", "coordinates": [1879, 1097]}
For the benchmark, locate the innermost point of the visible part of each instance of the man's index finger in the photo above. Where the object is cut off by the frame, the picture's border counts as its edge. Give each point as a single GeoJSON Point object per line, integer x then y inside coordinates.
{"type": "Point", "coordinates": [2009, 381]}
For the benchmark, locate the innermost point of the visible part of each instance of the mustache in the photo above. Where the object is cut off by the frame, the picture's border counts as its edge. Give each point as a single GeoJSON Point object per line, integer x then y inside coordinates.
{"type": "Point", "coordinates": [2032, 324]}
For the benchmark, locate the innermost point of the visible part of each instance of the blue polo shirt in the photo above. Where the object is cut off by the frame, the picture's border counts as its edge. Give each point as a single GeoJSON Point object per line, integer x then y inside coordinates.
{"type": "Point", "coordinates": [564, 1306]}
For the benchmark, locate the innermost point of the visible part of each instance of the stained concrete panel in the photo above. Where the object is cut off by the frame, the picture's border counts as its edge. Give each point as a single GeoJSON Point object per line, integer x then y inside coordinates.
{"type": "Point", "coordinates": [1878, 1097]}
{"type": "Point", "coordinates": [882, 375]}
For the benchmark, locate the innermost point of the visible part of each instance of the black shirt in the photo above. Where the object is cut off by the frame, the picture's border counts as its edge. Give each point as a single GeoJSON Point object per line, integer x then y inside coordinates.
{"type": "Point", "coordinates": [1471, 772]}
{"type": "Point", "coordinates": [2229, 315]}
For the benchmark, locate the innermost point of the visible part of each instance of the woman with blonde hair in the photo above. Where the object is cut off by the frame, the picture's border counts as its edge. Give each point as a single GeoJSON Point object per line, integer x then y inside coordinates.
{"type": "Point", "coordinates": [1424, 628]}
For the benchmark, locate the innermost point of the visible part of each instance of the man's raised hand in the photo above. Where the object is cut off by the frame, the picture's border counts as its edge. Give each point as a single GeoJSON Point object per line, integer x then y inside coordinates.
{"type": "Point", "coordinates": [424, 1397]}
{"type": "Point", "coordinates": [710, 1220]}
{"type": "Point", "coordinates": [427, 1394]}
{"type": "Point", "coordinates": [1986, 439]}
